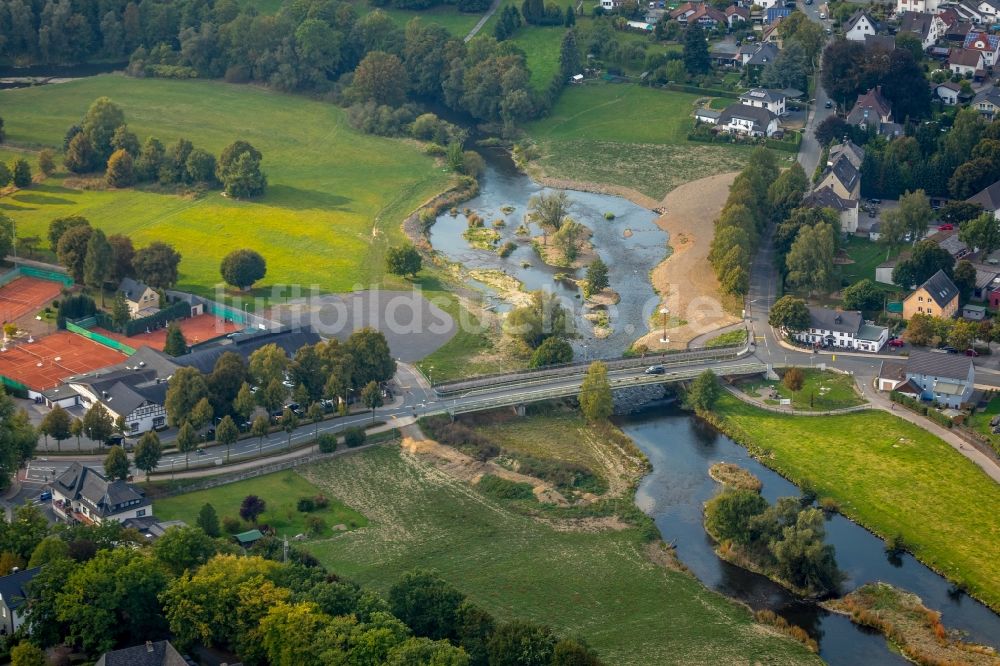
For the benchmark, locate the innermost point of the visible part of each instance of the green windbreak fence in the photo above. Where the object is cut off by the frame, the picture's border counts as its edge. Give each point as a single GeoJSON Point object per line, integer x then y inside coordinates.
{"type": "Point", "coordinates": [225, 312]}
{"type": "Point", "coordinates": [42, 274]}
{"type": "Point", "coordinates": [9, 276]}
{"type": "Point", "coordinates": [102, 339]}
{"type": "Point", "coordinates": [14, 387]}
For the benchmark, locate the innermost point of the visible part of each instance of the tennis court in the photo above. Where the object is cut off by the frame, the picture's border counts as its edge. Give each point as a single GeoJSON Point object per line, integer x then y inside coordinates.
{"type": "Point", "coordinates": [44, 363]}
{"type": "Point", "coordinates": [26, 295]}
{"type": "Point", "coordinates": [195, 329]}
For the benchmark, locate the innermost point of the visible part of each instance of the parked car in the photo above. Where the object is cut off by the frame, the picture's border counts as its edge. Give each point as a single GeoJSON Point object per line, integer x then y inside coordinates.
{"type": "Point", "coordinates": [822, 15]}
{"type": "Point", "coordinates": [655, 370]}
{"type": "Point", "coordinates": [829, 104]}
{"type": "Point", "coordinates": [45, 496]}
{"type": "Point", "coordinates": [896, 342]}
{"type": "Point", "coordinates": [946, 227]}
{"type": "Point", "coordinates": [971, 352]}
{"type": "Point", "coordinates": [950, 350]}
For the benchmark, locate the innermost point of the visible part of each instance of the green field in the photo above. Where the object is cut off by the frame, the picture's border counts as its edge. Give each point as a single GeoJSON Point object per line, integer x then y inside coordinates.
{"type": "Point", "coordinates": [821, 390]}
{"type": "Point", "coordinates": [456, 22]}
{"type": "Point", "coordinates": [866, 256]}
{"type": "Point", "coordinates": [892, 477]}
{"type": "Point", "coordinates": [737, 337]}
{"type": "Point", "coordinates": [281, 491]}
{"type": "Point", "coordinates": [623, 134]}
{"type": "Point", "coordinates": [335, 198]}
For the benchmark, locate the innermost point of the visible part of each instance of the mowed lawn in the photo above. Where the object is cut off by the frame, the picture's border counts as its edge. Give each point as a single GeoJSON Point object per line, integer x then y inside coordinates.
{"type": "Point", "coordinates": [334, 202]}
{"type": "Point", "coordinates": [892, 477]}
{"type": "Point", "coordinates": [598, 584]}
{"type": "Point", "coordinates": [624, 134]}
{"type": "Point", "coordinates": [281, 491]}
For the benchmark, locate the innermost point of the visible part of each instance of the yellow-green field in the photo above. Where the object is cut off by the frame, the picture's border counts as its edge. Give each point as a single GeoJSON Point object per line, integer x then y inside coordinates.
{"type": "Point", "coordinates": [335, 198]}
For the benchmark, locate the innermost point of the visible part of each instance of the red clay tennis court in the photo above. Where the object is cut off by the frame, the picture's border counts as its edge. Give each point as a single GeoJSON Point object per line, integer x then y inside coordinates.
{"type": "Point", "coordinates": [195, 329]}
{"type": "Point", "coordinates": [26, 295]}
{"type": "Point", "coordinates": [42, 364]}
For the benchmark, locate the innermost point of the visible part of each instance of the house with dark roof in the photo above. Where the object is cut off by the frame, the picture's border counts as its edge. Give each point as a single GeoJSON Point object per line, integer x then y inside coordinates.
{"type": "Point", "coordinates": [854, 153]}
{"type": "Point", "coordinates": [845, 329]}
{"type": "Point", "coordinates": [141, 299]}
{"type": "Point", "coordinates": [860, 25]}
{"type": "Point", "coordinates": [947, 92]}
{"type": "Point", "coordinates": [957, 30]}
{"type": "Point", "coordinates": [927, 27]}
{"type": "Point", "coordinates": [985, 43]}
{"type": "Point", "coordinates": [937, 296]}
{"type": "Point", "coordinates": [988, 198]}
{"type": "Point", "coordinates": [736, 14]}
{"type": "Point", "coordinates": [152, 653]}
{"type": "Point", "coordinates": [947, 379]}
{"type": "Point", "coordinates": [846, 209]}
{"type": "Point", "coordinates": [84, 495]}
{"type": "Point", "coordinates": [843, 177]}
{"type": "Point", "coordinates": [987, 103]}
{"type": "Point", "coordinates": [965, 62]}
{"type": "Point", "coordinates": [772, 100]}
{"type": "Point", "coordinates": [968, 10]}
{"type": "Point", "coordinates": [871, 109]}
{"type": "Point", "coordinates": [747, 120]}
{"type": "Point", "coordinates": [758, 56]}
{"type": "Point", "coordinates": [13, 592]}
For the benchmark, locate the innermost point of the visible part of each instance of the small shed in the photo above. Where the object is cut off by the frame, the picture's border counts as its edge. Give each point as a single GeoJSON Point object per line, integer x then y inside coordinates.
{"type": "Point", "coordinates": [707, 115]}
{"type": "Point", "coordinates": [248, 538]}
{"type": "Point", "coordinates": [974, 312]}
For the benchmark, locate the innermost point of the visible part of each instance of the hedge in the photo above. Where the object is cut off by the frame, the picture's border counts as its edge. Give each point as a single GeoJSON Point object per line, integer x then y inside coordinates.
{"type": "Point", "coordinates": [179, 310]}
{"type": "Point", "coordinates": [711, 92]}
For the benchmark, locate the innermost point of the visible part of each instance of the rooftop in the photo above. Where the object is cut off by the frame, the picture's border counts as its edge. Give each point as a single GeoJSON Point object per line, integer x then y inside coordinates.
{"type": "Point", "coordinates": [844, 321]}
{"type": "Point", "coordinates": [12, 591]}
{"type": "Point", "coordinates": [940, 288]}
{"type": "Point", "coordinates": [935, 364]}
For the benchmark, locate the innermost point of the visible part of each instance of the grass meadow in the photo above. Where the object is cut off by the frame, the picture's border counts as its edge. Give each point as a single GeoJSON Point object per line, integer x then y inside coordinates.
{"type": "Point", "coordinates": [639, 134]}
{"type": "Point", "coordinates": [335, 198]}
{"type": "Point", "coordinates": [892, 477]}
{"type": "Point", "coordinates": [591, 581]}
{"type": "Point", "coordinates": [281, 491]}
{"type": "Point", "coordinates": [821, 390]}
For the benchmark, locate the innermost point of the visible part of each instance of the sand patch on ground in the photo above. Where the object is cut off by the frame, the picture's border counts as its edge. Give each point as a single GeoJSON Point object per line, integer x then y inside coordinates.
{"type": "Point", "coordinates": [685, 280]}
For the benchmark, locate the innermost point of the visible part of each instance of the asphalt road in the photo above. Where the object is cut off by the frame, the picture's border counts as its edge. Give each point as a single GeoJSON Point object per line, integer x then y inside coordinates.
{"type": "Point", "coordinates": [810, 150]}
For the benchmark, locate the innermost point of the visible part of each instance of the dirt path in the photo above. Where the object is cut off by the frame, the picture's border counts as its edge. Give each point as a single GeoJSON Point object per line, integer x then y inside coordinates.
{"type": "Point", "coordinates": [685, 278]}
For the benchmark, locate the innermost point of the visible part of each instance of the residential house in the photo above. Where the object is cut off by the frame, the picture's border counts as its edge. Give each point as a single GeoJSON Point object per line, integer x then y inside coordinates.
{"type": "Point", "coordinates": [773, 16]}
{"type": "Point", "coordinates": [927, 27]}
{"type": "Point", "coordinates": [736, 14]}
{"type": "Point", "coordinates": [772, 100]}
{"type": "Point", "coordinates": [923, 6]}
{"type": "Point", "coordinates": [758, 56]}
{"type": "Point", "coordinates": [682, 12]}
{"type": "Point", "coordinates": [142, 300]}
{"type": "Point", "coordinates": [611, 5]}
{"type": "Point", "coordinates": [847, 209]}
{"type": "Point", "coordinates": [968, 10]}
{"type": "Point", "coordinates": [988, 45]}
{"type": "Point", "coordinates": [988, 198]}
{"type": "Point", "coordinates": [892, 376]}
{"type": "Point", "coordinates": [845, 329]}
{"type": "Point", "coordinates": [706, 115]}
{"type": "Point", "coordinates": [748, 121]}
{"type": "Point", "coordinates": [707, 16]}
{"type": "Point", "coordinates": [860, 25]}
{"type": "Point", "coordinates": [957, 30]}
{"type": "Point", "coordinates": [13, 592]}
{"type": "Point", "coordinates": [152, 653]}
{"type": "Point", "coordinates": [966, 62]}
{"type": "Point", "coordinates": [843, 177]}
{"type": "Point", "coordinates": [82, 494]}
{"type": "Point", "coordinates": [947, 379]}
{"type": "Point", "coordinates": [872, 109]}
{"type": "Point", "coordinates": [987, 281]}
{"type": "Point", "coordinates": [987, 103]}
{"type": "Point", "coordinates": [938, 296]}
{"type": "Point", "coordinates": [854, 153]}
{"type": "Point", "coordinates": [947, 92]}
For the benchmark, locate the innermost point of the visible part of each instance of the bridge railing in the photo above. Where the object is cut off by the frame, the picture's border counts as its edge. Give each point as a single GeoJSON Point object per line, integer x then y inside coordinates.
{"type": "Point", "coordinates": [570, 369]}
{"type": "Point", "coordinates": [564, 390]}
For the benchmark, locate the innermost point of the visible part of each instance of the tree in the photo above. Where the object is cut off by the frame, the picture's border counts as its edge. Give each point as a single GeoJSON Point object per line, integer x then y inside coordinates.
{"type": "Point", "coordinates": [963, 334]}
{"type": "Point", "coordinates": [251, 507]}
{"type": "Point", "coordinates": [76, 429]}
{"type": "Point", "coordinates": [810, 259]}
{"type": "Point", "coordinates": [56, 425]}
{"type": "Point", "coordinates": [597, 277]}
{"type": "Point", "coordinates": [125, 139]}
{"type": "Point", "coordinates": [981, 233]}
{"type": "Point", "coordinates": [244, 179]}
{"type": "Point", "coordinates": [183, 548]}
{"type": "Point", "coordinates": [569, 56]}
{"type": "Point", "coordinates": [290, 421]}
{"type": "Point", "coordinates": [49, 549]}
{"type": "Point", "coordinates": [959, 212]}
{"type": "Point", "coordinates": [187, 441]}
{"type": "Point", "coordinates": [926, 259]}
{"type": "Point", "coordinates": [208, 521]}
{"type": "Point", "coordinates": [544, 317]}
{"type": "Point", "coordinates": [226, 433]}
{"type": "Point", "coordinates": [703, 392]}
{"type": "Point", "coordinates": [22, 173]}
{"type": "Point", "coordinates": [793, 379]}
{"type": "Point", "coordinates": [26, 653]}
{"type": "Point", "coordinates": [72, 250]}
{"type": "Point", "coordinates": [260, 429]}
{"type": "Point", "coordinates": [201, 414]}
{"type": "Point", "coordinates": [148, 452]}
{"type": "Point", "coordinates": [519, 643]}
{"type": "Point", "coordinates": [843, 70]}
{"type": "Point", "coordinates": [427, 604]}
{"type": "Point", "coordinates": [549, 209]}
{"type": "Point", "coordinates": [156, 265]}
{"type": "Point", "coordinates": [121, 170]}
{"type": "Point", "coordinates": [381, 78]}
{"type": "Point", "coordinates": [403, 260]}
{"type": "Point", "coordinates": [80, 156]}
{"type": "Point", "coordinates": [833, 128]}
{"type": "Point", "coordinates": [922, 330]}
{"type": "Point", "coordinates": [5, 175]}
{"type": "Point", "coordinates": [695, 54]}
{"type": "Point", "coordinates": [728, 515]}
{"type": "Point", "coordinates": [790, 314]}
{"type": "Point", "coordinates": [97, 263]}
{"type": "Point", "coordinates": [97, 423]}
{"type": "Point", "coordinates": [802, 557]}
{"type": "Point", "coordinates": [99, 125]}
{"type": "Point", "coordinates": [116, 464]}
{"type": "Point", "coordinates": [268, 364]}
{"type": "Point", "coordinates": [370, 357]}
{"type": "Point", "coordinates": [244, 402]}
{"type": "Point", "coordinates": [61, 225]}
{"type": "Point", "coordinates": [862, 295]}
{"type": "Point", "coordinates": [905, 86]}
{"type": "Point", "coordinates": [120, 313]}
{"type": "Point", "coordinates": [914, 214]}
{"type": "Point", "coordinates": [241, 268]}
{"type": "Point", "coordinates": [150, 160]}
{"type": "Point", "coordinates": [786, 192]}
{"type": "Point", "coordinates": [200, 166]}
{"type": "Point", "coordinates": [185, 389]}
{"type": "Point", "coordinates": [595, 394]}
{"type": "Point", "coordinates": [6, 235]}
{"type": "Point", "coordinates": [371, 397]}
{"type": "Point", "coordinates": [554, 351]}
{"type": "Point", "coordinates": [790, 69]}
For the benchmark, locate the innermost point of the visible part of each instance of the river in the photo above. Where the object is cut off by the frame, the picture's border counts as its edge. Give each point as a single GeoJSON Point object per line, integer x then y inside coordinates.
{"type": "Point", "coordinates": [681, 448]}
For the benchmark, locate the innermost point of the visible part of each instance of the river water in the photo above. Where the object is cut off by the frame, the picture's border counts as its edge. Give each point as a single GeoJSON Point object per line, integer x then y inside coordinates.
{"type": "Point", "coordinates": [630, 255]}
{"type": "Point", "coordinates": [681, 448]}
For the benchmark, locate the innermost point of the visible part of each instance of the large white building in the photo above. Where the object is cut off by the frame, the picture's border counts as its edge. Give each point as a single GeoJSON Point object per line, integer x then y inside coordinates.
{"type": "Point", "coordinates": [845, 329]}
{"type": "Point", "coordinates": [82, 494]}
{"type": "Point", "coordinates": [772, 100]}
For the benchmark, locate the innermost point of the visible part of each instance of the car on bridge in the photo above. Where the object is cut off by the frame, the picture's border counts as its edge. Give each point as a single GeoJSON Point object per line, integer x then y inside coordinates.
{"type": "Point", "coordinates": [655, 370]}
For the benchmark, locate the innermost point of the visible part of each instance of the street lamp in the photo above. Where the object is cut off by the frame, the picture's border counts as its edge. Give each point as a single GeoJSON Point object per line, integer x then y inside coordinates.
{"type": "Point", "coordinates": [665, 311]}
{"type": "Point", "coordinates": [430, 374]}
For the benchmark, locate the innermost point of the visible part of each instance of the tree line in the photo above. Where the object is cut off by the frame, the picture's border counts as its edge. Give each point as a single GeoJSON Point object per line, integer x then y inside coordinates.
{"type": "Point", "coordinates": [104, 587]}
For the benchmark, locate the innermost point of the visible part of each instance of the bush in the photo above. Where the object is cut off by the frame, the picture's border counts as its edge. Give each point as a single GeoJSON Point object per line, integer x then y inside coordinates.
{"type": "Point", "coordinates": [232, 525]}
{"type": "Point", "coordinates": [506, 249]}
{"type": "Point", "coordinates": [327, 442]}
{"type": "Point", "coordinates": [502, 489]}
{"type": "Point", "coordinates": [459, 436]}
{"type": "Point", "coordinates": [321, 501]}
{"type": "Point", "coordinates": [315, 525]}
{"type": "Point", "coordinates": [306, 504]}
{"type": "Point", "coordinates": [354, 437]}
